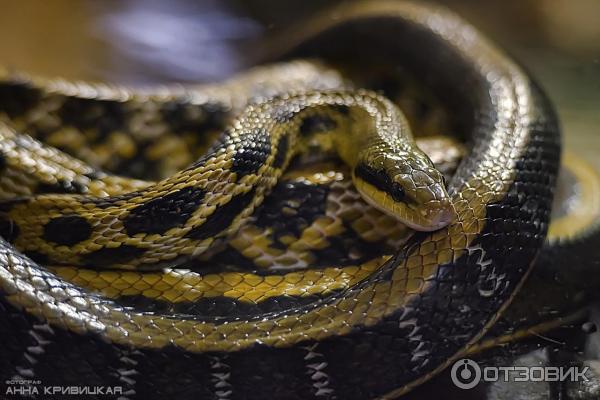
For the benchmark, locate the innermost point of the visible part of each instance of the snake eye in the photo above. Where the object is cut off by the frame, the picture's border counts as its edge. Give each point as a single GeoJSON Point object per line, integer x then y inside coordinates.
{"type": "Point", "coordinates": [382, 181]}
{"type": "Point", "coordinates": [397, 192]}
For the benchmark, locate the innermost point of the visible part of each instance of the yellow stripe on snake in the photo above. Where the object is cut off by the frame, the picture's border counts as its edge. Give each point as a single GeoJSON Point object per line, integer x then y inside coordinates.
{"type": "Point", "coordinates": [264, 250]}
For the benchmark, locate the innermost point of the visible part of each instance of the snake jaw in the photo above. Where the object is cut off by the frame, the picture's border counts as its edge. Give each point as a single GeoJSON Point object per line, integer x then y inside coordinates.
{"type": "Point", "coordinates": [406, 186]}
{"type": "Point", "coordinates": [429, 216]}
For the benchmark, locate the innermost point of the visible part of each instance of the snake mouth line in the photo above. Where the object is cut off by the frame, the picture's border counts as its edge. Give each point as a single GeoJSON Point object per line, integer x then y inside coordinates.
{"type": "Point", "coordinates": [419, 219]}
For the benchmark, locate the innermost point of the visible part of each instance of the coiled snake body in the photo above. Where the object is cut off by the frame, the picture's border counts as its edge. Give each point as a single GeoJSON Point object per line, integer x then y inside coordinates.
{"type": "Point", "coordinates": [382, 324]}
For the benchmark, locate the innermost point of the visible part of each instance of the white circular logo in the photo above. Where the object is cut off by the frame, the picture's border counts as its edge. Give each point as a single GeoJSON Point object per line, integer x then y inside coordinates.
{"type": "Point", "coordinates": [465, 374]}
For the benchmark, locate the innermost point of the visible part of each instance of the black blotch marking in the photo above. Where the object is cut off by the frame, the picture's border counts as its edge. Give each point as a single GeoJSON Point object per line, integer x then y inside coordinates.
{"type": "Point", "coordinates": [108, 256]}
{"type": "Point", "coordinates": [67, 230]}
{"type": "Point", "coordinates": [316, 123]}
{"type": "Point", "coordinates": [102, 116]}
{"type": "Point", "coordinates": [16, 98]}
{"type": "Point", "coordinates": [2, 162]}
{"type": "Point", "coordinates": [348, 248]}
{"type": "Point", "coordinates": [252, 153]}
{"type": "Point", "coordinates": [195, 123]}
{"type": "Point", "coordinates": [222, 309]}
{"type": "Point", "coordinates": [182, 116]}
{"type": "Point", "coordinates": [9, 230]}
{"type": "Point", "coordinates": [381, 181]}
{"type": "Point", "coordinates": [161, 214]}
{"type": "Point", "coordinates": [222, 217]}
{"type": "Point", "coordinates": [36, 256]}
{"type": "Point", "coordinates": [283, 146]}
{"type": "Point", "coordinates": [229, 259]}
{"type": "Point", "coordinates": [290, 208]}
{"type": "Point", "coordinates": [62, 187]}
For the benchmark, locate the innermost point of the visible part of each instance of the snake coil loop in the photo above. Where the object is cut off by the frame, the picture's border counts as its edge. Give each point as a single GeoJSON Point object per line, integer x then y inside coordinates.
{"type": "Point", "coordinates": [404, 320]}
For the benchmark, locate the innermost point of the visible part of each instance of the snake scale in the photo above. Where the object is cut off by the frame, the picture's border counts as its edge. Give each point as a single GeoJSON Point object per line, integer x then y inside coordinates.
{"type": "Point", "coordinates": [364, 323]}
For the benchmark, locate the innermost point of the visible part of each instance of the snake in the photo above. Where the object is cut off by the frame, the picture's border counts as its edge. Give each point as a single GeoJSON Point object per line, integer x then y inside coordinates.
{"type": "Point", "coordinates": [183, 214]}
{"type": "Point", "coordinates": [152, 270]}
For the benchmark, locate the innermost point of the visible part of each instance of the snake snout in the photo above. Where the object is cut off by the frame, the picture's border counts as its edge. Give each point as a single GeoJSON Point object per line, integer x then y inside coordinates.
{"type": "Point", "coordinates": [437, 214]}
{"type": "Point", "coordinates": [432, 205]}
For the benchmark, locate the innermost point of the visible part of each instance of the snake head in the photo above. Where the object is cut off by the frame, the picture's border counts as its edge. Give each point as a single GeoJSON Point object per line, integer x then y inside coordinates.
{"type": "Point", "coordinates": [407, 186]}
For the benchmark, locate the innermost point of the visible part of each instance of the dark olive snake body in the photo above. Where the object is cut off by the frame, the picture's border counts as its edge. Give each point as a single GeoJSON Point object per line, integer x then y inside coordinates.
{"type": "Point", "coordinates": [367, 328]}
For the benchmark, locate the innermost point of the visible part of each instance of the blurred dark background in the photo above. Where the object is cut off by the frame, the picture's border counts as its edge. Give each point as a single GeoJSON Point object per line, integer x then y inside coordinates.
{"type": "Point", "coordinates": [145, 41]}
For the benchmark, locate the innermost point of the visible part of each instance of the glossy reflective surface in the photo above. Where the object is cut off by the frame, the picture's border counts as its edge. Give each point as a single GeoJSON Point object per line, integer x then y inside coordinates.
{"type": "Point", "coordinates": [199, 42]}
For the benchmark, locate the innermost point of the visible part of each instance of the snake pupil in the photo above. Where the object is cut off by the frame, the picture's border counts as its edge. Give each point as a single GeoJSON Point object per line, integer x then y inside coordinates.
{"type": "Point", "coordinates": [397, 192]}
{"type": "Point", "coordinates": [381, 180]}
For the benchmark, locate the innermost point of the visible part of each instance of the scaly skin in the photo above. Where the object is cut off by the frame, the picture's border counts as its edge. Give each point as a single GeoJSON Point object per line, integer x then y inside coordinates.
{"type": "Point", "coordinates": [403, 321]}
{"type": "Point", "coordinates": [169, 221]}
